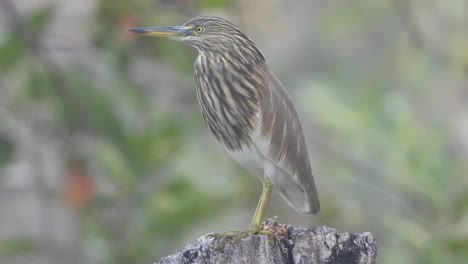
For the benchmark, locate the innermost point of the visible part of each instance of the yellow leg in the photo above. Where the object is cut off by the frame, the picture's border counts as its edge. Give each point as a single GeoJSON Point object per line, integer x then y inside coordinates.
{"type": "Point", "coordinates": [262, 203]}
{"type": "Point", "coordinates": [256, 224]}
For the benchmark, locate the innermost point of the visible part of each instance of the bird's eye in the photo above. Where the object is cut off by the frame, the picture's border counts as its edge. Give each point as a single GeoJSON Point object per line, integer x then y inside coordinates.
{"type": "Point", "coordinates": [200, 29]}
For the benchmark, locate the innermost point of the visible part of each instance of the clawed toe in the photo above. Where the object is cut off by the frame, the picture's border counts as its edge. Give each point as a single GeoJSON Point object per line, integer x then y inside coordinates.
{"type": "Point", "coordinates": [238, 235]}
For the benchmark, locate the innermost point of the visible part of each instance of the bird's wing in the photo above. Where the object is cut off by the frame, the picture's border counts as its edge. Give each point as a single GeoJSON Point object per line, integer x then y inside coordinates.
{"type": "Point", "coordinates": [281, 141]}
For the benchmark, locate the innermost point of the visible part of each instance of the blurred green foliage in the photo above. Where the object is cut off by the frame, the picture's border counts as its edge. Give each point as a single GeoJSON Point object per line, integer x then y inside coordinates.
{"type": "Point", "coordinates": [386, 164]}
{"type": "Point", "coordinates": [11, 51]}
{"type": "Point", "coordinates": [150, 211]}
{"type": "Point", "coordinates": [6, 150]}
{"type": "Point", "coordinates": [410, 169]}
{"type": "Point", "coordinates": [17, 246]}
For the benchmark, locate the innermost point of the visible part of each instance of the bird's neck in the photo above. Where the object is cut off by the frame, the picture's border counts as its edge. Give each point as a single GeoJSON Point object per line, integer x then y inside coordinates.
{"type": "Point", "coordinates": [229, 62]}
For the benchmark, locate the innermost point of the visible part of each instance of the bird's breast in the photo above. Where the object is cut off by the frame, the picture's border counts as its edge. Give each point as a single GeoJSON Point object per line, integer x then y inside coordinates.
{"type": "Point", "coordinates": [229, 100]}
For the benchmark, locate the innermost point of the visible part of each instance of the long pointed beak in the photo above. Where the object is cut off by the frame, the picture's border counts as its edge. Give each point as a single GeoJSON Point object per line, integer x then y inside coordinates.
{"type": "Point", "coordinates": [163, 31]}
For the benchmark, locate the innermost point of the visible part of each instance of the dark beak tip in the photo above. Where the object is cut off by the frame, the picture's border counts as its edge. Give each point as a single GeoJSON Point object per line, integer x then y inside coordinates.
{"type": "Point", "coordinates": [159, 31]}
{"type": "Point", "coordinates": [136, 30]}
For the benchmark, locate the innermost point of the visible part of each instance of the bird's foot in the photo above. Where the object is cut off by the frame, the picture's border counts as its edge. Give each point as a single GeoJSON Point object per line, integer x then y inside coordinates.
{"type": "Point", "coordinates": [238, 235]}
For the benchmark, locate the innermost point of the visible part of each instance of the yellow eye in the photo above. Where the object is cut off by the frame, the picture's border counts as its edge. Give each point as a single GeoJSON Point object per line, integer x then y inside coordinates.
{"type": "Point", "coordinates": [200, 29]}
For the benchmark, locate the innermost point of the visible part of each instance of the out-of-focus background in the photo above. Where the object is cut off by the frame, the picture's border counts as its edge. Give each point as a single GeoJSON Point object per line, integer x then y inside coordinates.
{"type": "Point", "coordinates": [104, 157]}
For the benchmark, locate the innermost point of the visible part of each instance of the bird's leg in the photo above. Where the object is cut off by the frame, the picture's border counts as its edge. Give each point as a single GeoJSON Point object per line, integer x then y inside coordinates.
{"type": "Point", "coordinates": [256, 224]}
{"type": "Point", "coordinates": [261, 206]}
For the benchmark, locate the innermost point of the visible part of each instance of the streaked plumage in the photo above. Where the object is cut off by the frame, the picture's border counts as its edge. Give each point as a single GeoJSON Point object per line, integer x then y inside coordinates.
{"type": "Point", "coordinates": [249, 112]}
{"type": "Point", "coordinates": [246, 108]}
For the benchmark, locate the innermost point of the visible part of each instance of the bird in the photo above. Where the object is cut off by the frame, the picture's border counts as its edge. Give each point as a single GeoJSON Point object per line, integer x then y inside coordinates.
{"type": "Point", "coordinates": [248, 112]}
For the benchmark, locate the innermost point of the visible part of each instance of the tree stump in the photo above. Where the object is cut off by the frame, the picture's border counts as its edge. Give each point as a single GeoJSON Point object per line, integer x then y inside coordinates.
{"type": "Point", "coordinates": [297, 245]}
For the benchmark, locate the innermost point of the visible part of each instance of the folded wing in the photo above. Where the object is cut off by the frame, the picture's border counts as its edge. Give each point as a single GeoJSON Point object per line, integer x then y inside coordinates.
{"type": "Point", "coordinates": [281, 141]}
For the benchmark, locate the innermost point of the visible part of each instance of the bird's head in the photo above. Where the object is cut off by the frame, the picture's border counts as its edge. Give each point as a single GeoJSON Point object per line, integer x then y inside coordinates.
{"type": "Point", "coordinates": [207, 34]}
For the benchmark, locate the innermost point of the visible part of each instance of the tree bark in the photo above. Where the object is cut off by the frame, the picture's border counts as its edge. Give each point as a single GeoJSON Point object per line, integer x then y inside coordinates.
{"type": "Point", "coordinates": [297, 245]}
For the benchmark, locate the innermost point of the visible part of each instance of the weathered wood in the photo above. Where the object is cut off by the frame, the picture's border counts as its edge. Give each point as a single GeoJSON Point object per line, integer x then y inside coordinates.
{"type": "Point", "coordinates": [292, 245]}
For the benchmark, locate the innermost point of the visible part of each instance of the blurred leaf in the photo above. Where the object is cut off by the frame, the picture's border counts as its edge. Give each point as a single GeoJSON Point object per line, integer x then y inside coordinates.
{"type": "Point", "coordinates": [212, 4]}
{"type": "Point", "coordinates": [11, 51]}
{"type": "Point", "coordinates": [15, 44]}
{"type": "Point", "coordinates": [461, 204]}
{"type": "Point", "coordinates": [99, 107]}
{"type": "Point", "coordinates": [176, 206]}
{"type": "Point", "coordinates": [6, 150]}
{"type": "Point", "coordinates": [157, 143]}
{"type": "Point", "coordinates": [40, 18]}
{"type": "Point", "coordinates": [111, 9]}
{"type": "Point", "coordinates": [353, 17]}
{"type": "Point", "coordinates": [87, 105]}
{"type": "Point", "coordinates": [17, 246]}
{"type": "Point", "coordinates": [38, 86]}
{"type": "Point", "coordinates": [117, 167]}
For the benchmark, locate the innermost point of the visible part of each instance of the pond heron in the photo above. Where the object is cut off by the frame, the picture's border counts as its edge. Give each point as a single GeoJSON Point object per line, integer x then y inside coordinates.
{"type": "Point", "coordinates": [248, 111]}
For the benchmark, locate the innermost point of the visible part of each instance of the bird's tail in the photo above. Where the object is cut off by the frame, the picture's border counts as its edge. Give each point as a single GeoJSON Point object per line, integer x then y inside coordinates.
{"type": "Point", "coordinates": [303, 199]}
